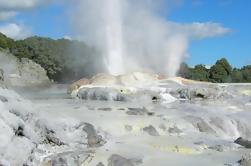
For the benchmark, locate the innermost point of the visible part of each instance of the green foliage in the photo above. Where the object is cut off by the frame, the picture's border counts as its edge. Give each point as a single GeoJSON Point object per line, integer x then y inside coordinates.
{"type": "Point", "coordinates": [221, 71]}
{"type": "Point", "coordinates": [224, 63]}
{"type": "Point", "coordinates": [246, 73]}
{"type": "Point", "coordinates": [237, 76]}
{"type": "Point", "coordinates": [5, 42]}
{"type": "Point", "coordinates": [200, 73]}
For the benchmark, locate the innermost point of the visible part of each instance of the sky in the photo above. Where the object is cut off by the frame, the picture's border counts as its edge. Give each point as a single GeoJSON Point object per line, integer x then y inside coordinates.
{"type": "Point", "coordinates": [50, 18]}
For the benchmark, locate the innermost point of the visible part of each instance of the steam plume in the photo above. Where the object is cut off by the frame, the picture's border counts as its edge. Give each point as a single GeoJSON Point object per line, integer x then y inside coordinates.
{"type": "Point", "coordinates": [133, 35]}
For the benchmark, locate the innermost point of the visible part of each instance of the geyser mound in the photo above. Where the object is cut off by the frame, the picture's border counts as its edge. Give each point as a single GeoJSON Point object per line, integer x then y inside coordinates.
{"type": "Point", "coordinates": [128, 87]}
{"type": "Point", "coordinates": [130, 80]}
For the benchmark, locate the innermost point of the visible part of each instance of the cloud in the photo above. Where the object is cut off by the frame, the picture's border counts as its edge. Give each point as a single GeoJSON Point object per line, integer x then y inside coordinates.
{"type": "Point", "coordinates": [5, 15]}
{"type": "Point", "coordinates": [10, 8]}
{"type": "Point", "coordinates": [21, 4]}
{"type": "Point", "coordinates": [199, 30]}
{"type": "Point", "coordinates": [15, 31]}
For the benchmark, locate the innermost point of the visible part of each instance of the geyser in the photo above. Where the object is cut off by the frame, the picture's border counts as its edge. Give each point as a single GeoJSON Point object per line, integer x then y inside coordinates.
{"type": "Point", "coordinates": [102, 27]}
{"type": "Point", "coordinates": [134, 36]}
{"type": "Point", "coordinates": [113, 30]}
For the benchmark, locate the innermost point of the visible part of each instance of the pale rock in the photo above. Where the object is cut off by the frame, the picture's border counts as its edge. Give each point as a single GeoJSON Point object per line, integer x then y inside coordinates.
{"type": "Point", "coordinates": [22, 72]}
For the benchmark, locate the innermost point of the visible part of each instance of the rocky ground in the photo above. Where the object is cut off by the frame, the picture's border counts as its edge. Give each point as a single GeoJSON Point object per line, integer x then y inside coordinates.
{"type": "Point", "coordinates": [126, 121]}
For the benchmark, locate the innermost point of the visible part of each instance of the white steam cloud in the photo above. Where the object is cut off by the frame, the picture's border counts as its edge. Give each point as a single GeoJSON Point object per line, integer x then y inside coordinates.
{"type": "Point", "coordinates": [15, 31]}
{"type": "Point", "coordinates": [134, 36]}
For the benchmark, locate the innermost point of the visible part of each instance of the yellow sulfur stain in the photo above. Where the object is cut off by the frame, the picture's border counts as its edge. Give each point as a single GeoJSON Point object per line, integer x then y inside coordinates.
{"type": "Point", "coordinates": [139, 126]}
{"type": "Point", "coordinates": [246, 92]}
{"type": "Point", "coordinates": [176, 149]}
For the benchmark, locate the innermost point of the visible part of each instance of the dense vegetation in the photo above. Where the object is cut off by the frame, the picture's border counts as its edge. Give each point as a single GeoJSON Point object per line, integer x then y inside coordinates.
{"type": "Point", "coordinates": [221, 72]}
{"type": "Point", "coordinates": [66, 60]}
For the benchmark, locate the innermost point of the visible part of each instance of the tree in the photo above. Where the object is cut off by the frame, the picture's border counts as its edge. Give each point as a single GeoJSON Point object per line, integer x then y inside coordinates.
{"type": "Point", "coordinates": [221, 71]}
{"type": "Point", "coordinates": [237, 76]}
{"type": "Point", "coordinates": [246, 72]}
{"type": "Point", "coordinates": [200, 73]}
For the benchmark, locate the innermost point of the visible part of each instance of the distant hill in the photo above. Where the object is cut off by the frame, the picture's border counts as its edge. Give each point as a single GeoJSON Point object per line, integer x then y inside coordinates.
{"type": "Point", "coordinates": [67, 60]}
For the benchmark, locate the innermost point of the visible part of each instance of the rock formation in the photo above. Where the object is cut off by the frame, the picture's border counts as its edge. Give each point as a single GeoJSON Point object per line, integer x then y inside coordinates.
{"type": "Point", "coordinates": [24, 135]}
{"type": "Point", "coordinates": [23, 72]}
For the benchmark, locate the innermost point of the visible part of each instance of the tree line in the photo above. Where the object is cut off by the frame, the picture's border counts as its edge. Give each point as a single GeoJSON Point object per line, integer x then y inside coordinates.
{"type": "Point", "coordinates": [220, 72]}
{"type": "Point", "coordinates": [66, 60]}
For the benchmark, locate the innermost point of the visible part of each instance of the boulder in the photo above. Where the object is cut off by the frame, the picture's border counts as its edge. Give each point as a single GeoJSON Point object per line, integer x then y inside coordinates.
{"type": "Point", "coordinates": [200, 124]}
{"type": "Point", "coordinates": [69, 158]}
{"type": "Point", "coordinates": [191, 93]}
{"type": "Point", "coordinates": [100, 164]}
{"type": "Point", "coordinates": [117, 160]}
{"type": "Point", "coordinates": [3, 99]}
{"type": "Point", "coordinates": [184, 94]}
{"type": "Point", "coordinates": [243, 142]}
{"type": "Point", "coordinates": [137, 111]}
{"type": "Point", "coordinates": [245, 160]}
{"type": "Point", "coordinates": [59, 162]}
{"type": "Point", "coordinates": [151, 130]}
{"type": "Point", "coordinates": [201, 93]}
{"type": "Point", "coordinates": [94, 140]}
{"type": "Point", "coordinates": [174, 130]}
